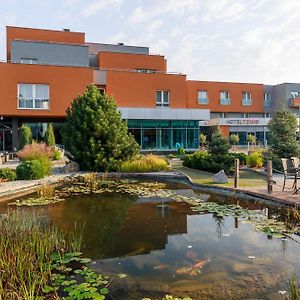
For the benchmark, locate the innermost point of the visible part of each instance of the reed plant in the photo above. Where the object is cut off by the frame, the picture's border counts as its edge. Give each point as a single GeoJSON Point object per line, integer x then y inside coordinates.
{"type": "Point", "coordinates": [26, 243]}
{"type": "Point", "coordinates": [146, 163]}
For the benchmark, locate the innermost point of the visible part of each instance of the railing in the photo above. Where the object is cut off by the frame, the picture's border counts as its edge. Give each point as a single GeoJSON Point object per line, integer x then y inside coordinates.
{"type": "Point", "coordinates": [246, 102]}
{"type": "Point", "coordinates": [225, 101]}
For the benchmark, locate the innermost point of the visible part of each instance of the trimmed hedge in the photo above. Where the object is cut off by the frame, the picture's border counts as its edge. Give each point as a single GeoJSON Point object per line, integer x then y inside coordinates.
{"type": "Point", "coordinates": [203, 161]}
{"type": "Point", "coordinates": [30, 169]}
{"type": "Point", "coordinates": [8, 174]}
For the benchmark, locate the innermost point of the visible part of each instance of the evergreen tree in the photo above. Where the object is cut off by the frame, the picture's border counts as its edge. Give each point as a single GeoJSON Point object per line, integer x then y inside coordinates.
{"type": "Point", "coordinates": [218, 148]}
{"type": "Point", "coordinates": [95, 133]}
{"type": "Point", "coordinates": [282, 135]}
{"type": "Point", "coordinates": [25, 136]}
{"type": "Point", "coordinates": [49, 136]}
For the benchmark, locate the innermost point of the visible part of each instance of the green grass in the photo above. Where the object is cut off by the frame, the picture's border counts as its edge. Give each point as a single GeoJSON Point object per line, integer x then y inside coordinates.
{"type": "Point", "coordinates": [247, 178]}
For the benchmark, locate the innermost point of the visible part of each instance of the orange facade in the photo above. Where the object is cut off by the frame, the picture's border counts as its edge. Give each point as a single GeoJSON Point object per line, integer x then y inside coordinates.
{"type": "Point", "coordinates": [132, 89]}
{"type": "Point", "coordinates": [129, 61]}
{"type": "Point", "coordinates": [30, 34]}
{"type": "Point", "coordinates": [235, 90]}
{"type": "Point", "coordinates": [65, 84]}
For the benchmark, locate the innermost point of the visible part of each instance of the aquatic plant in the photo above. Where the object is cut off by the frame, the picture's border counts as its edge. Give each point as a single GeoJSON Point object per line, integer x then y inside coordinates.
{"type": "Point", "coordinates": [294, 289]}
{"type": "Point", "coordinates": [25, 248]}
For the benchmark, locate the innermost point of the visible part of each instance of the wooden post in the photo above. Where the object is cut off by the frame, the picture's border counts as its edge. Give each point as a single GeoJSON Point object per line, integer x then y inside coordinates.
{"type": "Point", "coordinates": [269, 176]}
{"type": "Point", "coordinates": [236, 172]}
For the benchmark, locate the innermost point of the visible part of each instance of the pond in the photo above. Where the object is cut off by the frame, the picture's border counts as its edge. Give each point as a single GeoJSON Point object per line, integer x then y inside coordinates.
{"type": "Point", "coordinates": [167, 246]}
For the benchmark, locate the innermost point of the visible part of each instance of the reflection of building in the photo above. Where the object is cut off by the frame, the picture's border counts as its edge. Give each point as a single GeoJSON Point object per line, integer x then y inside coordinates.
{"type": "Point", "coordinates": [47, 69]}
{"type": "Point", "coordinates": [148, 226]}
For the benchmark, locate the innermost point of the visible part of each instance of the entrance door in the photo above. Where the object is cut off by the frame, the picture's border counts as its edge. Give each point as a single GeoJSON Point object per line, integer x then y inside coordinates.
{"type": "Point", "coordinates": [5, 140]}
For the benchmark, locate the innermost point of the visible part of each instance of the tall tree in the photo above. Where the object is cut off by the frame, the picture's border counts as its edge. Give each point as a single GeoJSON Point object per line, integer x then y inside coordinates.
{"type": "Point", "coordinates": [49, 136]}
{"type": "Point", "coordinates": [95, 133]}
{"type": "Point", "coordinates": [282, 134]}
{"type": "Point", "coordinates": [25, 136]}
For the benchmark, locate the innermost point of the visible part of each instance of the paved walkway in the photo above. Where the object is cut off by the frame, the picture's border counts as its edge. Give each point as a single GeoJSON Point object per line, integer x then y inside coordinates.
{"type": "Point", "coordinates": [257, 184]}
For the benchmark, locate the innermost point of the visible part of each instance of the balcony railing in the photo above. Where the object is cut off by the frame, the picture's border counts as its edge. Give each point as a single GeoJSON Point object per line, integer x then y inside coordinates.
{"type": "Point", "coordinates": [225, 101]}
{"type": "Point", "coordinates": [246, 102]}
{"type": "Point", "coordinates": [203, 100]}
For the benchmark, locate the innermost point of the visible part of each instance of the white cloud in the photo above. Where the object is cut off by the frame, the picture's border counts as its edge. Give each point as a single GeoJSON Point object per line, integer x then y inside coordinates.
{"type": "Point", "coordinates": [96, 5]}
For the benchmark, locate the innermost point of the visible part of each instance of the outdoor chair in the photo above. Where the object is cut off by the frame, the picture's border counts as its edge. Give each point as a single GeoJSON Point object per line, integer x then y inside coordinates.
{"type": "Point", "coordinates": [296, 166]}
{"type": "Point", "coordinates": [289, 171]}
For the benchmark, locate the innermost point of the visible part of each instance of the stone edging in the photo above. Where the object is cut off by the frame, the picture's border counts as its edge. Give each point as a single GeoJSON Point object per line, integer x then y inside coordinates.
{"type": "Point", "coordinates": [177, 176]}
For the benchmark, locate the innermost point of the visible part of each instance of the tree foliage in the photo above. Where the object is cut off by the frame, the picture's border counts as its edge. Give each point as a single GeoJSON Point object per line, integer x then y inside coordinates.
{"type": "Point", "coordinates": [25, 136]}
{"type": "Point", "coordinates": [282, 135]}
{"type": "Point", "coordinates": [202, 139]}
{"type": "Point", "coordinates": [49, 136]}
{"type": "Point", "coordinates": [251, 139]}
{"type": "Point", "coordinates": [234, 139]}
{"type": "Point", "coordinates": [95, 133]}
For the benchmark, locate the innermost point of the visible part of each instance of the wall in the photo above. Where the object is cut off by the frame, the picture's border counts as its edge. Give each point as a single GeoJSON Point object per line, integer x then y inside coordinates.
{"type": "Point", "coordinates": [19, 33]}
{"type": "Point", "coordinates": [65, 83]}
{"type": "Point", "coordinates": [132, 89]}
{"type": "Point", "coordinates": [131, 61]}
{"type": "Point", "coordinates": [235, 91]}
{"type": "Point", "coordinates": [50, 53]}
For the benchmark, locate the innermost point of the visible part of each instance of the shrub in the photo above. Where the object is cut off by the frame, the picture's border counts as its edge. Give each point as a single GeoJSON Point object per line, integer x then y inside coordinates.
{"type": "Point", "coordinates": [181, 151]}
{"type": "Point", "coordinates": [35, 151]}
{"type": "Point", "coordinates": [255, 160]}
{"type": "Point", "coordinates": [8, 174]}
{"type": "Point", "coordinates": [251, 139]}
{"type": "Point", "coordinates": [147, 163]}
{"type": "Point", "coordinates": [234, 139]}
{"type": "Point", "coordinates": [241, 156]}
{"type": "Point", "coordinates": [25, 136]}
{"type": "Point", "coordinates": [202, 139]}
{"type": "Point", "coordinates": [49, 136]}
{"type": "Point", "coordinates": [30, 169]}
{"type": "Point", "coordinates": [57, 155]}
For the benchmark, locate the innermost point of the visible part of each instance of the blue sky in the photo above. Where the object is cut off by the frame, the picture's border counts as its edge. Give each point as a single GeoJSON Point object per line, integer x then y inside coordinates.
{"type": "Point", "coordinates": [219, 40]}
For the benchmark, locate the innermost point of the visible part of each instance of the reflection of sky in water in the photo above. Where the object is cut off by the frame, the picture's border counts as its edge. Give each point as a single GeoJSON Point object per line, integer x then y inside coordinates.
{"type": "Point", "coordinates": [153, 241]}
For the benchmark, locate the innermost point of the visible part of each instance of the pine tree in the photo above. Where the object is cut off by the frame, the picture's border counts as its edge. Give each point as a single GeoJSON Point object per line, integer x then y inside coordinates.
{"type": "Point", "coordinates": [95, 133]}
{"type": "Point", "coordinates": [282, 135]}
{"type": "Point", "coordinates": [218, 148]}
{"type": "Point", "coordinates": [25, 136]}
{"type": "Point", "coordinates": [49, 136]}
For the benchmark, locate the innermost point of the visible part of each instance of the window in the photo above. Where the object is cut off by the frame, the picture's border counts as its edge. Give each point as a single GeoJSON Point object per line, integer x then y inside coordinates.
{"type": "Point", "coordinates": [224, 98]}
{"type": "Point", "coordinates": [101, 90]}
{"type": "Point", "coordinates": [33, 96]}
{"type": "Point", "coordinates": [162, 98]}
{"type": "Point", "coordinates": [223, 115]}
{"type": "Point", "coordinates": [246, 115]}
{"type": "Point", "coordinates": [246, 100]}
{"type": "Point", "coordinates": [267, 99]}
{"type": "Point", "coordinates": [30, 61]}
{"type": "Point", "coordinates": [267, 115]}
{"type": "Point", "coordinates": [202, 97]}
{"type": "Point", "coordinates": [149, 71]}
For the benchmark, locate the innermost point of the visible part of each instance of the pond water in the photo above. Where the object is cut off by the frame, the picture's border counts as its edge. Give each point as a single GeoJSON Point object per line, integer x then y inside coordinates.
{"type": "Point", "coordinates": [165, 247]}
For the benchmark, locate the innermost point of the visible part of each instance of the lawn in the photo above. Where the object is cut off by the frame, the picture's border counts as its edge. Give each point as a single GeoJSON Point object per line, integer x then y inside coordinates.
{"type": "Point", "coordinates": [247, 178]}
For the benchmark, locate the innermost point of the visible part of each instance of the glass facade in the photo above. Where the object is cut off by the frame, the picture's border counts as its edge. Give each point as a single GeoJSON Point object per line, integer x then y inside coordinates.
{"type": "Point", "coordinates": [164, 134]}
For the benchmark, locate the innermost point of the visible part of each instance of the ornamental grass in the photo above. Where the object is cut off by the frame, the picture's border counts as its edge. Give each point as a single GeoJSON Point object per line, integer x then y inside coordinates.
{"type": "Point", "coordinates": [144, 164]}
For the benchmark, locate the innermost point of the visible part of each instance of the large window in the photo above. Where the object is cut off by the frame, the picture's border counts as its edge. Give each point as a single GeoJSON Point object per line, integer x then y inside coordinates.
{"type": "Point", "coordinates": [30, 61]}
{"type": "Point", "coordinates": [202, 97]}
{"type": "Point", "coordinates": [224, 98]}
{"type": "Point", "coordinates": [246, 100]}
{"type": "Point", "coordinates": [162, 98]}
{"type": "Point", "coordinates": [33, 96]}
{"type": "Point", "coordinates": [267, 99]}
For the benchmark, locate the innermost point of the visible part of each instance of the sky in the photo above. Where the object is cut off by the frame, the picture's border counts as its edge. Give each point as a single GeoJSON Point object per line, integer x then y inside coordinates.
{"type": "Point", "coordinates": [217, 40]}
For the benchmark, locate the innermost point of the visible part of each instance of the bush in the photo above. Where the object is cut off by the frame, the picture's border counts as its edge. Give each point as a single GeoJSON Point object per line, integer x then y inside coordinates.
{"type": "Point", "coordinates": [35, 151]}
{"type": "Point", "coordinates": [8, 174]}
{"type": "Point", "coordinates": [255, 160]}
{"type": "Point", "coordinates": [30, 169]}
{"type": "Point", "coordinates": [57, 155]}
{"type": "Point", "coordinates": [180, 151]}
{"type": "Point", "coordinates": [241, 156]}
{"type": "Point", "coordinates": [49, 136]}
{"type": "Point", "coordinates": [147, 163]}
{"type": "Point", "coordinates": [25, 136]}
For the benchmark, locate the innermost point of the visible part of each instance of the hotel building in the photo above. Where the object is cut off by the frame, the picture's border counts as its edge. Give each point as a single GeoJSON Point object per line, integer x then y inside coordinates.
{"type": "Point", "coordinates": [46, 69]}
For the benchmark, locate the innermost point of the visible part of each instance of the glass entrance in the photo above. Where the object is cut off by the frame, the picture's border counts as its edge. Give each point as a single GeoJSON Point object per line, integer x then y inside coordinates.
{"type": "Point", "coordinates": [5, 140]}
